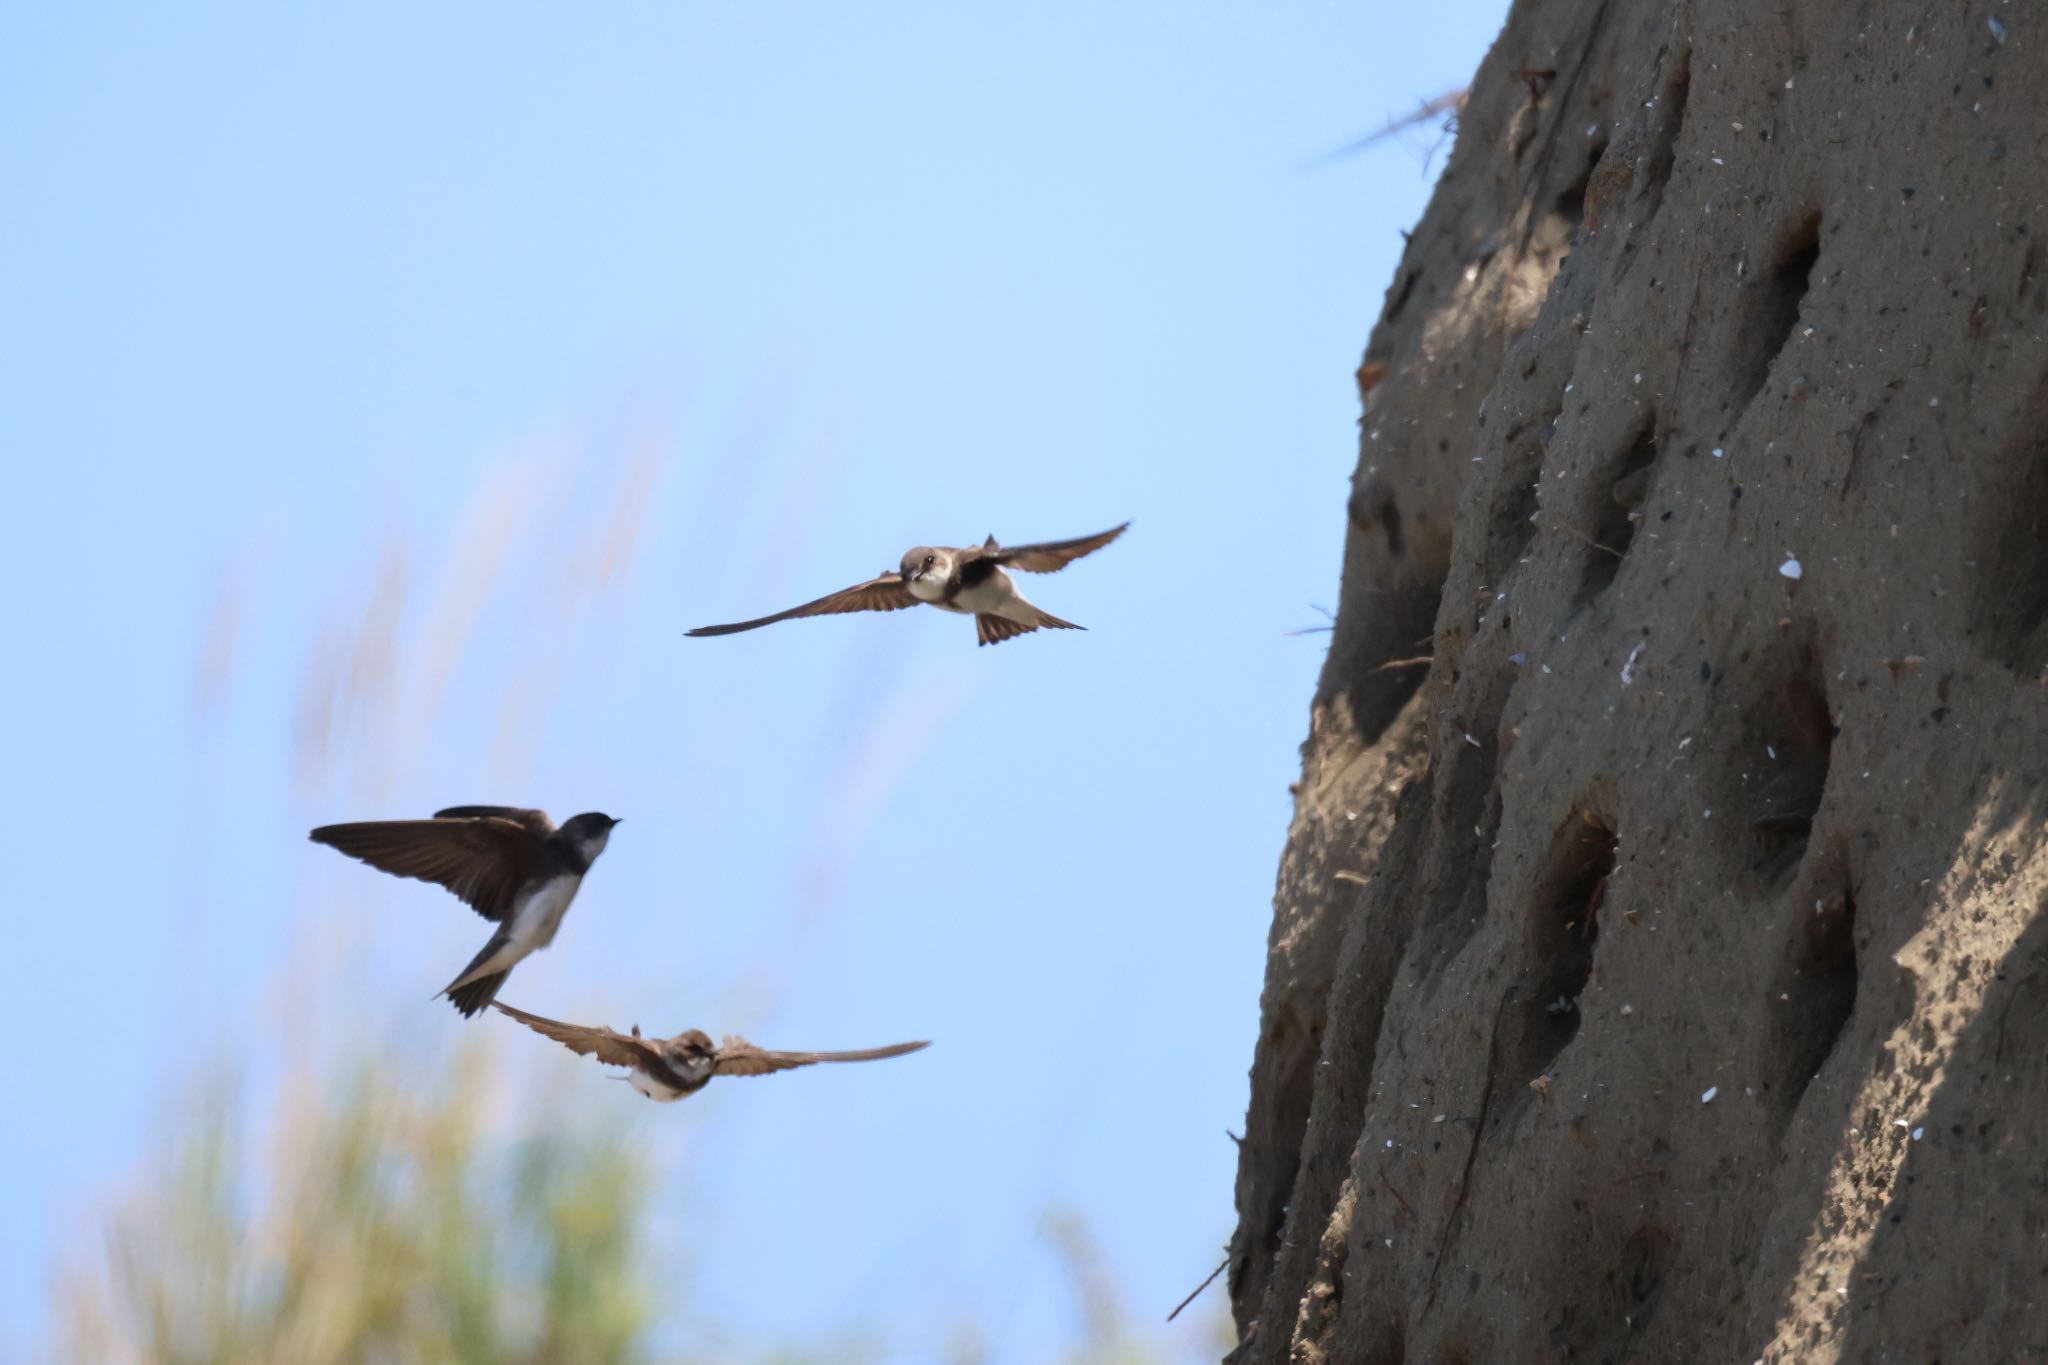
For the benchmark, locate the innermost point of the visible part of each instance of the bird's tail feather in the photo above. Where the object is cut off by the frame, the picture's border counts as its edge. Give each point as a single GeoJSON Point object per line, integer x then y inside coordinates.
{"type": "Point", "coordinates": [477, 994]}
{"type": "Point", "coordinates": [993, 630]}
{"type": "Point", "coordinates": [470, 991]}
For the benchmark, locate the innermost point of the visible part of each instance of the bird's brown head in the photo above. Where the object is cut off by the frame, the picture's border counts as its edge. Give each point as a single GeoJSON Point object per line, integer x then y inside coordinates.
{"type": "Point", "coordinates": [693, 1056]}
{"type": "Point", "coordinates": [926, 562]}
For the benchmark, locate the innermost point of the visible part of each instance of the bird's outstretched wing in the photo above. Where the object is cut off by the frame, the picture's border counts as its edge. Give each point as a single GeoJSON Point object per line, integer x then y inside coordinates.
{"type": "Point", "coordinates": [1049, 556]}
{"type": "Point", "coordinates": [608, 1046]}
{"type": "Point", "coordinates": [482, 860]}
{"type": "Point", "coordinates": [738, 1057]}
{"type": "Point", "coordinates": [888, 592]}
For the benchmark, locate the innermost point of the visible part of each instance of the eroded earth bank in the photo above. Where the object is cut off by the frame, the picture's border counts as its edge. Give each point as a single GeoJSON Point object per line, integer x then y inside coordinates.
{"type": "Point", "coordinates": [1658, 969]}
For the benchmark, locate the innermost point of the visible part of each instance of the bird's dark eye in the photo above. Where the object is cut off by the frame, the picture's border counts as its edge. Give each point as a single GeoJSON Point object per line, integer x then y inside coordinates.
{"type": "Point", "coordinates": [928, 560]}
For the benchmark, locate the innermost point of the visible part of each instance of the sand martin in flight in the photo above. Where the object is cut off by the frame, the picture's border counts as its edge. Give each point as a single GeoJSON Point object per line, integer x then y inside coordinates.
{"type": "Point", "coordinates": [667, 1069]}
{"type": "Point", "coordinates": [511, 866]}
{"type": "Point", "coordinates": [970, 581]}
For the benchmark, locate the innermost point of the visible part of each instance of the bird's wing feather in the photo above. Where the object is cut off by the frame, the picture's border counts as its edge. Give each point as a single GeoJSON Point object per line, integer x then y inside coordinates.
{"type": "Point", "coordinates": [535, 820]}
{"type": "Point", "coordinates": [483, 861]}
{"type": "Point", "coordinates": [610, 1047]}
{"type": "Point", "coordinates": [738, 1057]}
{"type": "Point", "coordinates": [1049, 556]}
{"type": "Point", "coordinates": [887, 592]}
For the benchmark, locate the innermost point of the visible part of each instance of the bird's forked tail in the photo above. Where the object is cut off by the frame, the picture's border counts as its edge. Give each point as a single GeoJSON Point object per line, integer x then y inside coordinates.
{"type": "Point", "coordinates": [993, 630]}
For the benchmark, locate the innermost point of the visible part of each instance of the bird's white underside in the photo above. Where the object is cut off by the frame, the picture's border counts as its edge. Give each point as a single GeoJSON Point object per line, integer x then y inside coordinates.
{"type": "Point", "coordinates": [534, 922]}
{"type": "Point", "coordinates": [997, 596]}
{"type": "Point", "coordinates": [651, 1088]}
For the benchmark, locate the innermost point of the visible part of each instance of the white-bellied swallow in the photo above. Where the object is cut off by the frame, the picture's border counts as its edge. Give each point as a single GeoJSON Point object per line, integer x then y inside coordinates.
{"type": "Point", "coordinates": [667, 1069]}
{"type": "Point", "coordinates": [970, 581]}
{"type": "Point", "coordinates": [511, 866]}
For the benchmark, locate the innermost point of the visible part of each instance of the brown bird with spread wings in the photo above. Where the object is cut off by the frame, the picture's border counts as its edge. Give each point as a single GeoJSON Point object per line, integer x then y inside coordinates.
{"type": "Point", "coordinates": [667, 1069]}
{"type": "Point", "coordinates": [969, 581]}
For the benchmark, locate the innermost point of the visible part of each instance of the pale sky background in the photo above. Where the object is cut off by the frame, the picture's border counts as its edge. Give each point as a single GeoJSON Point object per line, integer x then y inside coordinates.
{"type": "Point", "coordinates": [301, 300]}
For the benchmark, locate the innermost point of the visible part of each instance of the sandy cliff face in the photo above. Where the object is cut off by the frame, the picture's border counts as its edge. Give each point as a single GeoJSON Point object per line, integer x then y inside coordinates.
{"type": "Point", "coordinates": [1659, 971]}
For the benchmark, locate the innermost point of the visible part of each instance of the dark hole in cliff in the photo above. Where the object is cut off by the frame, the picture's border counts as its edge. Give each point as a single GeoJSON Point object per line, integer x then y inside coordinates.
{"type": "Point", "coordinates": [1773, 304]}
{"type": "Point", "coordinates": [1570, 204]}
{"type": "Point", "coordinates": [1643, 1260]}
{"type": "Point", "coordinates": [1470, 796]}
{"type": "Point", "coordinates": [2011, 592]}
{"type": "Point", "coordinates": [1663, 156]}
{"type": "Point", "coordinates": [1799, 740]}
{"type": "Point", "coordinates": [1512, 525]}
{"type": "Point", "coordinates": [1564, 924]}
{"type": "Point", "coordinates": [1619, 1297]}
{"type": "Point", "coordinates": [1638, 1275]}
{"type": "Point", "coordinates": [1399, 626]}
{"type": "Point", "coordinates": [1617, 511]}
{"type": "Point", "coordinates": [1815, 993]}
{"type": "Point", "coordinates": [1399, 292]}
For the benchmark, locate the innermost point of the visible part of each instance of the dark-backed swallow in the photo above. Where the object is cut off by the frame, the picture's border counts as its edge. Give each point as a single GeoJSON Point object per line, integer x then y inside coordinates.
{"type": "Point", "coordinates": [970, 581]}
{"type": "Point", "coordinates": [667, 1069]}
{"type": "Point", "coordinates": [511, 866]}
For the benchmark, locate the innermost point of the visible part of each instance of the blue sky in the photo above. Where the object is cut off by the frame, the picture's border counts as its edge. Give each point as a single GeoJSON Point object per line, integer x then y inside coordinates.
{"type": "Point", "coordinates": [573, 327]}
